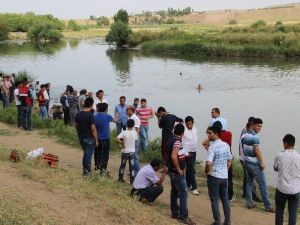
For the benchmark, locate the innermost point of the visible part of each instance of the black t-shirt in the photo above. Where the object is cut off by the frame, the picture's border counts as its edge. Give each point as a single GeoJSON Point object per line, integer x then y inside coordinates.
{"type": "Point", "coordinates": [83, 121]}
{"type": "Point", "coordinates": [167, 123]}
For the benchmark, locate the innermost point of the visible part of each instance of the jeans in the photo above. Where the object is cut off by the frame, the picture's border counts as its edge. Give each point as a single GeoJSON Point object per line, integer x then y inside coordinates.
{"type": "Point", "coordinates": [218, 188]}
{"type": "Point", "coordinates": [151, 193]}
{"type": "Point", "coordinates": [144, 137]}
{"type": "Point", "coordinates": [88, 146]}
{"type": "Point", "coordinates": [26, 118]}
{"type": "Point", "coordinates": [5, 100]}
{"type": "Point", "coordinates": [280, 201]}
{"type": "Point", "coordinates": [254, 195]}
{"type": "Point", "coordinates": [19, 108]}
{"type": "Point", "coordinates": [127, 157]}
{"type": "Point", "coordinates": [179, 191]}
{"type": "Point", "coordinates": [253, 170]}
{"type": "Point", "coordinates": [102, 154]}
{"type": "Point", "coordinates": [43, 112]}
{"type": "Point", "coordinates": [120, 127]}
{"type": "Point", "coordinates": [230, 184]}
{"type": "Point", "coordinates": [191, 172]}
{"type": "Point", "coordinates": [136, 157]}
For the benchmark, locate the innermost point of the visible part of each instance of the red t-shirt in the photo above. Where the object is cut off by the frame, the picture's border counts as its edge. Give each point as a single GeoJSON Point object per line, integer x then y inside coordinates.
{"type": "Point", "coordinates": [24, 96]}
{"type": "Point", "coordinates": [226, 136]}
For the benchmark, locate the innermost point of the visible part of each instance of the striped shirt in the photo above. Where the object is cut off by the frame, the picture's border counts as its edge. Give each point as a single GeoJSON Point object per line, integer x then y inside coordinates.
{"type": "Point", "coordinates": [144, 114]}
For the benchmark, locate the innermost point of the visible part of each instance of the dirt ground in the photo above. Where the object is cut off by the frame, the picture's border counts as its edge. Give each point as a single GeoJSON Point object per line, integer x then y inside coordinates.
{"type": "Point", "coordinates": [58, 204]}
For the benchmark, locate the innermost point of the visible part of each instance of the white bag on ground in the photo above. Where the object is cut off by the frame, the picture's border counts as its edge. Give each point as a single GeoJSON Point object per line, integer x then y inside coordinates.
{"type": "Point", "coordinates": [35, 153]}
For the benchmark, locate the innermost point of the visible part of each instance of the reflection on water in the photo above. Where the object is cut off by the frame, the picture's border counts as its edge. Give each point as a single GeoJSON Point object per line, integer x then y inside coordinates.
{"type": "Point", "coordinates": [74, 43]}
{"type": "Point", "coordinates": [121, 60]}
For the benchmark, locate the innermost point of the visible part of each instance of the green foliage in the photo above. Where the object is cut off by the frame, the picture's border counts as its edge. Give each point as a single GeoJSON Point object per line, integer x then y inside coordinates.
{"type": "Point", "coordinates": [259, 24]}
{"type": "Point", "coordinates": [4, 30]}
{"type": "Point", "coordinates": [177, 12]}
{"type": "Point", "coordinates": [103, 21]}
{"type": "Point", "coordinates": [232, 22]}
{"type": "Point", "coordinates": [121, 16]}
{"type": "Point", "coordinates": [24, 74]}
{"type": "Point", "coordinates": [23, 22]}
{"type": "Point", "coordinates": [44, 33]}
{"type": "Point", "coordinates": [72, 25]}
{"type": "Point", "coordinates": [119, 34]}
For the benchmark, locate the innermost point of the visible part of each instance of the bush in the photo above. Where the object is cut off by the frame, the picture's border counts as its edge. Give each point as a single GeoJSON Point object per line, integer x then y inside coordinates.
{"type": "Point", "coordinates": [233, 22]}
{"type": "Point", "coordinates": [103, 21]}
{"type": "Point", "coordinates": [24, 74]}
{"type": "Point", "coordinates": [72, 25]}
{"type": "Point", "coordinates": [119, 34]}
{"type": "Point", "coordinates": [44, 33]}
{"type": "Point", "coordinates": [259, 24]}
{"type": "Point", "coordinates": [4, 30]}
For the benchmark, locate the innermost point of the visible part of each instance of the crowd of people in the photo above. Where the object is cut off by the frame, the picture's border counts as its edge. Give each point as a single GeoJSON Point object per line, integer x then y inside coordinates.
{"type": "Point", "coordinates": [179, 146]}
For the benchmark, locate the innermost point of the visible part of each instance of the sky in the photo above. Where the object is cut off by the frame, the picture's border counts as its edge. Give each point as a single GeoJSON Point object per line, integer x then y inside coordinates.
{"type": "Point", "coordinates": [66, 9]}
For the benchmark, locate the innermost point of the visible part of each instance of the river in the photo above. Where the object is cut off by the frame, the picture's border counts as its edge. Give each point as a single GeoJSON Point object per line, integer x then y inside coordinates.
{"type": "Point", "coordinates": [265, 88]}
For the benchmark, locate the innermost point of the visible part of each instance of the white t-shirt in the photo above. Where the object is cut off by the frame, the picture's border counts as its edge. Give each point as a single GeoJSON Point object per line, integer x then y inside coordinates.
{"type": "Point", "coordinates": [46, 96]}
{"type": "Point", "coordinates": [16, 93]}
{"type": "Point", "coordinates": [190, 139]}
{"type": "Point", "coordinates": [137, 121]}
{"type": "Point", "coordinates": [97, 101]}
{"type": "Point", "coordinates": [129, 137]}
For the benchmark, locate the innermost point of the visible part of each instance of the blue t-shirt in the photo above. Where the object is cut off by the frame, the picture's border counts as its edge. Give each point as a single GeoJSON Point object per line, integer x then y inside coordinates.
{"type": "Point", "coordinates": [102, 121]}
{"type": "Point", "coordinates": [249, 141]}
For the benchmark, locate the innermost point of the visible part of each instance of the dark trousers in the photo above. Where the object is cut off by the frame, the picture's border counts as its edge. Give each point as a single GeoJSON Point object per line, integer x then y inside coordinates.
{"type": "Point", "coordinates": [19, 108]}
{"type": "Point", "coordinates": [26, 119]}
{"type": "Point", "coordinates": [179, 192]}
{"type": "Point", "coordinates": [101, 155]}
{"type": "Point", "coordinates": [130, 158]}
{"type": "Point", "coordinates": [151, 193]}
{"type": "Point", "coordinates": [254, 195]}
{"type": "Point", "coordinates": [230, 184]}
{"type": "Point", "coordinates": [67, 118]}
{"type": "Point", "coordinates": [280, 201]}
{"type": "Point", "coordinates": [218, 188]}
{"type": "Point", "coordinates": [164, 149]}
{"type": "Point", "coordinates": [191, 172]}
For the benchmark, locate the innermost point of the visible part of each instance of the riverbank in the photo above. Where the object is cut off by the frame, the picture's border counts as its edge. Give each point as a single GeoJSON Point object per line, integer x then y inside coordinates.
{"type": "Point", "coordinates": [62, 196]}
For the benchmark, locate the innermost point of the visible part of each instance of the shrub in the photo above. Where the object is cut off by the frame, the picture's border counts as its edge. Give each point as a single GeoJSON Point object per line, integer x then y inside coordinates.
{"type": "Point", "coordinates": [121, 16]}
{"type": "Point", "coordinates": [233, 22]}
{"type": "Point", "coordinates": [24, 74]}
{"type": "Point", "coordinates": [44, 33]}
{"type": "Point", "coordinates": [4, 30]}
{"type": "Point", "coordinates": [259, 24]}
{"type": "Point", "coordinates": [119, 34]}
{"type": "Point", "coordinates": [103, 21]}
{"type": "Point", "coordinates": [72, 25]}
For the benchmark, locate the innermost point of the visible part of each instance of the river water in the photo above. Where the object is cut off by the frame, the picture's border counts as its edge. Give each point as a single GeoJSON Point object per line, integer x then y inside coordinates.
{"type": "Point", "coordinates": [265, 88]}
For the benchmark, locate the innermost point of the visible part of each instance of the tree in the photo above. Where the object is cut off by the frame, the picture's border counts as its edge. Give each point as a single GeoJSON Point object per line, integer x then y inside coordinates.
{"type": "Point", "coordinates": [43, 33]}
{"type": "Point", "coordinates": [4, 30]}
{"type": "Point", "coordinates": [119, 34]}
{"type": "Point", "coordinates": [92, 17]}
{"type": "Point", "coordinates": [72, 25]}
{"type": "Point", "coordinates": [103, 21]}
{"type": "Point", "coordinates": [121, 16]}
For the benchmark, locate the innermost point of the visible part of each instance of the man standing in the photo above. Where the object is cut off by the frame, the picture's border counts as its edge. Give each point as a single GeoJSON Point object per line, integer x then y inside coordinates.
{"type": "Point", "coordinates": [137, 123]}
{"type": "Point", "coordinates": [254, 165]}
{"type": "Point", "coordinates": [18, 104]}
{"type": "Point", "coordinates": [102, 121]}
{"type": "Point", "coordinates": [216, 116]}
{"type": "Point", "coordinates": [217, 164]}
{"type": "Point", "coordinates": [99, 99]}
{"type": "Point", "coordinates": [87, 134]}
{"type": "Point", "coordinates": [48, 85]}
{"type": "Point", "coordinates": [121, 115]}
{"type": "Point", "coordinates": [190, 144]}
{"type": "Point", "coordinates": [5, 91]}
{"type": "Point", "coordinates": [287, 164]}
{"type": "Point", "coordinates": [176, 167]}
{"type": "Point", "coordinates": [146, 184]}
{"type": "Point", "coordinates": [26, 103]}
{"type": "Point", "coordinates": [166, 122]}
{"type": "Point", "coordinates": [42, 102]}
{"type": "Point", "coordinates": [145, 114]}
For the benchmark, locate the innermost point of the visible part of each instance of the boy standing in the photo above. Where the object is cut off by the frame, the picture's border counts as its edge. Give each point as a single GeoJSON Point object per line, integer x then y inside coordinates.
{"type": "Point", "coordinates": [127, 138]}
{"type": "Point", "coordinates": [42, 102]}
{"type": "Point", "coordinates": [190, 144]}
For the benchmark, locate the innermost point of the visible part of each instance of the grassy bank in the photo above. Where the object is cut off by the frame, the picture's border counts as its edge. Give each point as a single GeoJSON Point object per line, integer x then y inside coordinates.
{"type": "Point", "coordinates": [253, 41]}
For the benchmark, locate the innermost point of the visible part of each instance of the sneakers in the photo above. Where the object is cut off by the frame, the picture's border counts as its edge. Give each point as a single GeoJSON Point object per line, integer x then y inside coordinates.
{"type": "Point", "coordinates": [195, 192]}
{"type": "Point", "coordinates": [231, 200]}
{"type": "Point", "coordinates": [272, 210]}
{"type": "Point", "coordinates": [104, 173]}
{"type": "Point", "coordinates": [188, 221]}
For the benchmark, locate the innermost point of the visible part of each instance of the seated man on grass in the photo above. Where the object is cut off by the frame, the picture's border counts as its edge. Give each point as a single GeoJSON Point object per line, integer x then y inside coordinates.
{"type": "Point", "coordinates": [147, 185]}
